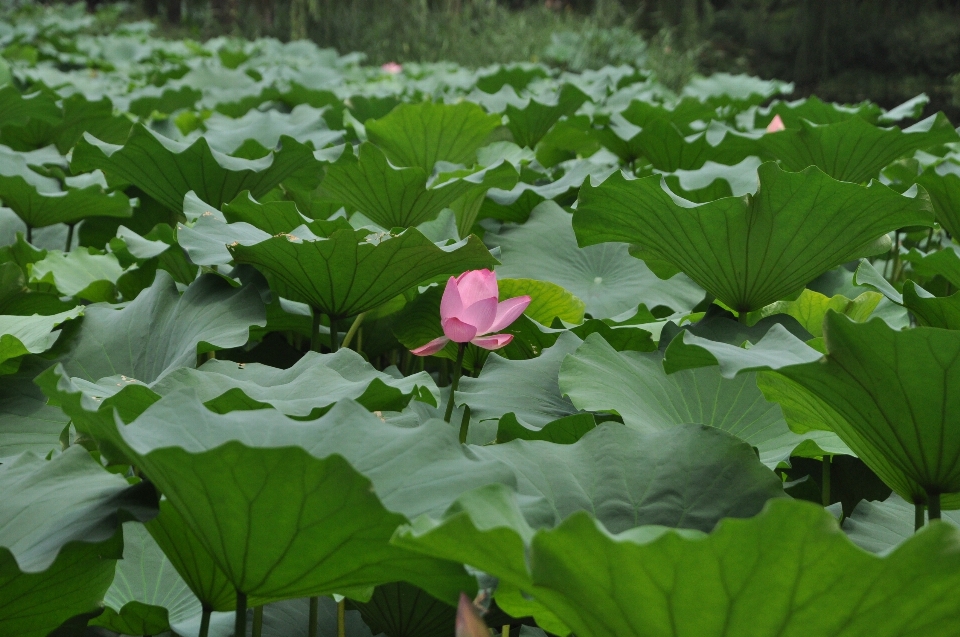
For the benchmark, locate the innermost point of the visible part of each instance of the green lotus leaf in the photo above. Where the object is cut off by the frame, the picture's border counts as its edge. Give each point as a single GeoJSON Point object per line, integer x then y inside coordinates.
{"type": "Point", "coordinates": [205, 242]}
{"type": "Point", "coordinates": [634, 385]}
{"type": "Point", "coordinates": [168, 170]}
{"type": "Point", "coordinates": [715, 181]}
{"type": "Point", "coordinates": [79, 115]}
{"type": "Point", "coordinates": [606, 278]}
{"type": "Point", "coordinates": [147, 596]}
{"type": "Point", "coordinates": [22, 335]}
{"type": "Point", "coordinates": [146, 100]}
{"type": "Point", "coordinates": [402, 610]}
{"type": "Point", "coordinates": [225, 386]}
{"type": "Point", "coordinates": [853, 150]}
{"type": "Point", "coordinates": [533, 120]}
{"type": "Point", "coordinates": [353, 271]}
{"type": "Point", "coordinates": [814, 110]}
{"type": "Point", "coordinates": [17, 299]}
{"type": "Point", "coordinates": [318, 492]}
{"type": "Point", "coordinates": [932, 311]}
{"type": "Point", "coordinates": [27, 423]}
{"type": "Point", "coordinates": [810, 308]}
{"type": "Point", "coordinates": [777, 348]}
{"type": "Point", "coordinates": [425, 133]}
{"type": "Point", "coordinates": [787, 571]}
{"type": "Point", "coordinates": [273, 217]}
{"type": "Point", "coordinates": [516, 204]}
{"type": "Point", "coordinates": [83, 274]}
{"type": "Point", "coordinates": [751, 251]}
{"type": "Point", "coordinates": [39, 209]}
{"type": "Point", "coordinates": [506, 386]}
{"type": "Point", "coordinates": [548, 301]}
{"type": "Point", "coordinates": [879, 527]}
{"type": "Point", "coordinates": [60, 537]}
{"type": "Point", "coordinates": [628, 477]}
{"type": "Point", "coordinates": [22, 164]}
{"type": "Point", "coordinates": [895, 394]}
{"type": "Point", "coordinates": [724, 89]}
{"type": "Point", "coordinates": [19, 109]}
{"type": "Point", "coordinates": [185, 553]}
{"type": "Point", "coordinates": [291, 618]}
{"type": "Point", "coordinates": [161, 330]}
{"type": "Point", "coordinates": [563, 431]}
{"type": "Point", "coordinates": [666, 147]}
{"type": "Point", "coordinates": [400, 197]}
{"type": "Point", "coordinates": [945, 262]}
{"type": "Point", "coordinates": [681, 113]}
{"type": "Point", "coordinates": [517, 75]}
{"type": "Point", "coordinates": [304, 123]}
{"type": "Point", "coordinates": [942, 183]}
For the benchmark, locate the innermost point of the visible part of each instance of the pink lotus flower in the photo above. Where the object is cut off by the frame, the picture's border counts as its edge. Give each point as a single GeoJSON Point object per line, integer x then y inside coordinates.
{"type": "Point", "coordinates": [469, 623]}
{"type": "Point", "coordinates": [470, 313]}
{"type": "Point", "coordinates": [775, 125]}
{"type": "Point", "coordinates": [392, 68]}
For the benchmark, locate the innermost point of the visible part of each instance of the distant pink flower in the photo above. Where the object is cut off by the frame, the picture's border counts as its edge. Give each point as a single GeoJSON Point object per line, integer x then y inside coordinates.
{"type": "Point", "coordinates": [392, 68]}
{"type": "Point", "coordinates": [775, 125]}
{"type": "Point", "coordinates": [470, 313]}
{"type": "Point", "coordinates": [469, 623]}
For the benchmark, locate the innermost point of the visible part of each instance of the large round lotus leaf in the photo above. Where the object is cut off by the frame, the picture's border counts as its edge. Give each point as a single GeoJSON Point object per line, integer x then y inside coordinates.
{"type": "Point", "coordinates": [39, 209]}
{"type": "Point", "coordinates": [634, 385]}
{"type": "Point", "coordinates": [148, 597]}
{"type": "Point", "coordinates": [22, 335]}
{"type": "Point", "coordinates": [291, 618]}
{"type": "Point", "coordinates": [60, 537]}
{"type": "Point", "coordinates": [853, 150]}
{"type": "Point", "coordinates": [403, 610]}
{"type": "Point", "coordinates": [354, 271]}
{"type": "Point", "coordinates": [879, 527]}
{"type": "Point", "coordinates": [215, 178]}
{"type": "Point", "coordinates": [749, 251]}
{"type": "Point", "coordinates": [161, 330]}
{"type": "Point", "coordinates": [185, 553]}
{"type": "Point", "coordinates": [605, 277]}
{"type": "Point", "coordinates": [400, 197]}
{"type": "Point", "coordinates": [786, 572]}
{"type": "Point", "coordinates": [328, 491]}
{"type": "Point", "coordinates": [687, 476]}
{"type": "Point", "coordinates": [425, 133]}
{"type": "Point", "coordinates": [897, 394]}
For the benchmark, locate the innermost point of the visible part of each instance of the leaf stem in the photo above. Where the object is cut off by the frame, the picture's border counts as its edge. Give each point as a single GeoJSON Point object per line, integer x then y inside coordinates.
{"type": "Point", "coordinates": [315, 334]}
{"type": "Point", "coordinates": [314, 617]}
{"type": "Point", "coordinates": [357, 322]}
{"type": "Point", "coordinates": [825, 481]}
{"type": "Point", "coordinates": [29, 233]}
{"type": "Point", "coordinates": [933, 506]}
{"type": "Point", "coordinates": [341, 618]}
{"type": "Point", "coordinates": [465, 424]}
{"type": "Point", "coordinates": [240, 623]}
{"type": "Point", "coordinates": [334, 336]}
{"type": "Point", "coordinates": [206, 611]}
{"type": "Point", "coordinates": [917, 516]}
{"type": "Point", "coordinates": [69, 237]}
{"type": "Point", "coordinates": [506, 631]}
{"type": "Point", "coordinates": [457, 371]}
{"type": "Point", "coordinates": [258, 621]}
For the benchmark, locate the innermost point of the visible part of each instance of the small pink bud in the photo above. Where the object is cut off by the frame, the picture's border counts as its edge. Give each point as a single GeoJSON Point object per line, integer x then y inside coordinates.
{"type": "Point", "coordinates": [469, 623]}
{"type": "Point", "coordinates": [775, 125]}
{"type": "Point", "coordinates": [392, 68]}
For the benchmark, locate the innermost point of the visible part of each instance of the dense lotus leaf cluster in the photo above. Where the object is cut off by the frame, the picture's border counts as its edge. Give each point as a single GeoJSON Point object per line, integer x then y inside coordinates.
{"type": "Point", "coordinates": [731, 407]}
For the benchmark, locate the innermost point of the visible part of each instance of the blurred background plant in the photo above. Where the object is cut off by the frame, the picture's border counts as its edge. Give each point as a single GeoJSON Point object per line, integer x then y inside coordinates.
{"type": "Point", "coordinates": [843, 50]}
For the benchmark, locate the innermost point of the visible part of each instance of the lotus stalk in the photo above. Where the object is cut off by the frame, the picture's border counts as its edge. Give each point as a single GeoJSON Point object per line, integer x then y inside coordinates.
{"type": "Point", "coordinates": [314, 616]}
{"type": "Point", "coordinates": [240, 623]}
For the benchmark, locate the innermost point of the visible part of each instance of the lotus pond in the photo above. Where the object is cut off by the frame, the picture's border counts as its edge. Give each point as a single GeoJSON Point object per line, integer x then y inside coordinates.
{"type": "Point", "coordinates": [294, 346]}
